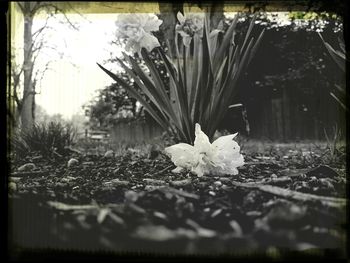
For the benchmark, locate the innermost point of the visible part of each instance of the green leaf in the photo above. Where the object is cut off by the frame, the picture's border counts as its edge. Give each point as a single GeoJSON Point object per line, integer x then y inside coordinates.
{"type": "Point", "coordinates": [133, 93]}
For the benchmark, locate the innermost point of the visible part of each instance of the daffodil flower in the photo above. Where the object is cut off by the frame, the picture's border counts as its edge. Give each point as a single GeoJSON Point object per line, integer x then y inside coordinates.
{"type": "Point", "coordinates": [190, 24]}
{"type": "Point", "coordinates": [137, 28]}
{"type": "Point", "coordinates": [221, 157]}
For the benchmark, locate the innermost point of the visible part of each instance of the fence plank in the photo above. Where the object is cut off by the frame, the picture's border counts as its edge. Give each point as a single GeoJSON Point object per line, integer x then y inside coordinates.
{"type": "Point", "coordinates": [135, 132]}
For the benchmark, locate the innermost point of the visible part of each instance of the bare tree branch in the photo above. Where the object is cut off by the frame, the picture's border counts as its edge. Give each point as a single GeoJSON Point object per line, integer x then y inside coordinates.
{"type": "Point", "coordinates": [20, 4]}
{"type": "Point", "coordinates": [48, 6]}
{"type": "Point", "coordinates": [45, 26]}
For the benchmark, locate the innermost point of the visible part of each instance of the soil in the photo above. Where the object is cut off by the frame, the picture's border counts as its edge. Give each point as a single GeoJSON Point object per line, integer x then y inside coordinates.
{"type": "Point", "coordinates": [134, 203]}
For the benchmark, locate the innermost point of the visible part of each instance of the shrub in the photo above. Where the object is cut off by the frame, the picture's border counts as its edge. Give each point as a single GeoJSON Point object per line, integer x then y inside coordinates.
{"type": "Point", "coordinates": [203, 75]}
{"type": "Point", "coordinates": [46, 139]}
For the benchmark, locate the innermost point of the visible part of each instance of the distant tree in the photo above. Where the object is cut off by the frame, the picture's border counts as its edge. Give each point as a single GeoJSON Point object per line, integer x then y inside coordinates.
{"type": "Point", "coordinates": [41, 115]}
{"type": "Point", "coordinates": [33, 45]}
{"type": "Point", "coordinates": [110, 105]}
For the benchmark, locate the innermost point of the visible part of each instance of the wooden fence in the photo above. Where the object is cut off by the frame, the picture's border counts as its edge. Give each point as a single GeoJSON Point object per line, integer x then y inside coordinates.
{"type": "Point", "coordinates": [286, 116]}
{"type": "Point", "coordinates": [135, 132]}
{"type": "Point", "coordinates": [292, 117]}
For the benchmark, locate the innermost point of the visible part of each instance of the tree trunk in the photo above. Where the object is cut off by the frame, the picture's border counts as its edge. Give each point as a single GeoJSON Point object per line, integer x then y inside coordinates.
{"type": "Point", "coordinates": [28, 94]}
{"type": "Point", "coordinates": [216, 14]}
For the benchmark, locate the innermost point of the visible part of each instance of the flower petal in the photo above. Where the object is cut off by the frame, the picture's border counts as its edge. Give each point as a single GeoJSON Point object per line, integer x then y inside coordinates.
{"type": "Point", "coordinates": [152, 24]}
{"type": "Point", "coordinates": [183, 155]}
{"type": "Point", "coordinates": [149, 42]}
{"type": "Point", "coordinates": [201, 142]}
{"type": "Point", "coordinates": [180, 17]}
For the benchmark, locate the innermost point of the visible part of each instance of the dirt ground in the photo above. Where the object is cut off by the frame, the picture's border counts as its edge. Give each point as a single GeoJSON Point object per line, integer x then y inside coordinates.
{"type": "Point", "coordinates": [287, 197]}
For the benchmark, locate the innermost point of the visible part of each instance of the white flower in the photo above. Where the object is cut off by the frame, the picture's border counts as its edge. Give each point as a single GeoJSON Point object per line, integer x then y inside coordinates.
{"type": "Point", "coordinates": [190, 24]}
{"type": "Point", "coordinates": [220, 157]}
{"type": "Point", "coordinates": [137, 28]}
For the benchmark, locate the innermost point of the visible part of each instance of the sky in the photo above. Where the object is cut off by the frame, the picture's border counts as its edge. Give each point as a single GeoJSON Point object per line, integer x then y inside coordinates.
{"type": "Point", "coordinates": [74, 79]}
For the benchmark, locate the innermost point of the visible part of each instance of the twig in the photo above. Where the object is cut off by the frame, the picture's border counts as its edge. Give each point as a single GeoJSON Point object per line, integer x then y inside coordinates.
{"type": "Point", "coordinates": [72, 150]}
{"type": "Point", "coordinates": [294, 195]}
{"type": "Point", "coordinates": [161, 171]}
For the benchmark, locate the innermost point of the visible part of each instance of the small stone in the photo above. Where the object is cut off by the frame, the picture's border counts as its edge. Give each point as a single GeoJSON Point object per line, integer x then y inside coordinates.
{"type": "Point", "coordinates": [273, 176]}
{"type": "Point", "coordinates": [72, 162]}
{"type": "Point", "coordinates": [109, 154]}
{"type": "Point", "coordinates": [131, 196]}
{"type": "Point", "coordinates": [212, 193]}
{"type": "Point", "coordinates": [27, 167]}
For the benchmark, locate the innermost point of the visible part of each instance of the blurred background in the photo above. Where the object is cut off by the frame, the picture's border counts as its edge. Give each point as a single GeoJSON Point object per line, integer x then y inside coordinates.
{"type": "Point", "coordinates": [293, 90]}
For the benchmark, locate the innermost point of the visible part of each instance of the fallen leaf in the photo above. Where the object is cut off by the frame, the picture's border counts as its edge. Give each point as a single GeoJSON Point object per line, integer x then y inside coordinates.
{"type": "Point", "coordinates": [236, 228]}
{"type": "Point", "coordinates": [26, 167]}
{"type": "Point", "coordinates": [67, 207]}
{"type": "Point", "coordinates": [162, 233]}
{"type": "Point", "coordinates": [102, 215]}
{"type": "Point", "coordinates": [181, 182]}
{"type": "Point", "coordinates": [323, 171]}
{"type": "Point", "coordinates": [72, 162]}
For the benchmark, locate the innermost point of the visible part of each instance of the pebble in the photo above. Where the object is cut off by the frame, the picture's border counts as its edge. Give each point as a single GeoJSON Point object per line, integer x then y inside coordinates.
{"type": "Point", "coordinates": [109, 154]}
{"type": "Point", "coordinates": [212, 193]}
{"type": "Point", "coordinates": [131, 196]}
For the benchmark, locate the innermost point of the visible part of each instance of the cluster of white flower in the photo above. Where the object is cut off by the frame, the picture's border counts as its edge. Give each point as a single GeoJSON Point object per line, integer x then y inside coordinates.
{"type": "Point", "coordinates": [137, 28]}
{"type": "Point", "coordinates": [190, 25]}
{"type": "Point", "coordinates": [221, 157]}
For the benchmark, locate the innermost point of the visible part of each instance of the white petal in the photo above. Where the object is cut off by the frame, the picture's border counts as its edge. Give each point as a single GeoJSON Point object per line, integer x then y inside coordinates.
{"type": "Point", "coordinates": [201, 142]}
{"type": "Point", "coordinates": [149, 42]}
{"type": "Point", "coordinates": [152, 24]}
{"type": "Point", "coordinates": [180, 17]}
{"type": "Point", "coordinates": [177, 170]}
{"type": "Point", "coordinates": [183, 155]}
{"type": "Point", "coordinates": [226, 145]}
